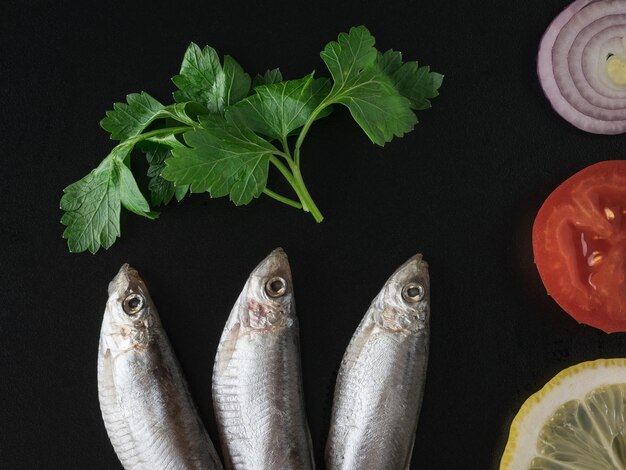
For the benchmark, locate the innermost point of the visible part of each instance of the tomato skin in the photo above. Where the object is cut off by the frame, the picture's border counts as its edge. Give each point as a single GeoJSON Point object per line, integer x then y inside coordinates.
{"type": "Point", "coordinates": [579, 244]}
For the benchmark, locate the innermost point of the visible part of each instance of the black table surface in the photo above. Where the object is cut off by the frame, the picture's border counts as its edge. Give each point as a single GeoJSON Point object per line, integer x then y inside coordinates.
{"type": "Point", "coordinates": [463, 189]}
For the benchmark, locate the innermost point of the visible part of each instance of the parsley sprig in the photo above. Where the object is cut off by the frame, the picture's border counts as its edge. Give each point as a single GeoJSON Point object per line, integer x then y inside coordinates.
{"type": "Point", "coordinates": [225, 131]}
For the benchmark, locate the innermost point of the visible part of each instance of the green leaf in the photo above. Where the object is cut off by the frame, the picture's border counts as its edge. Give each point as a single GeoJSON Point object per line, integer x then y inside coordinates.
{"type": "Point", "coordinates": [350, 55]}
{"type": "Point", "coordinates": [377, 107]}
{"type": "Point", "coordinates": [197, 77]}
{"type": "Point", "coordinates": [161, 190]}
{"type": "Point", "coordinates": [167, 139]}
{"type": "Point", "coordinates": [203, 80]}
{"type": "Point", "coordinates": [157, 150]}
{"type": "Point", "coordinates": [180, 191]}
{"type": "Point", "coordinates": [129, 120]}
{"type": "Point", "coordinates": [130, 195]}
{"type": "Point", "coordinates": [237, 82]}
{"type": "Point", "coordinates": [369, 94]}
{"type": "Point", "coordinates": [194, 110]}
{"type": "Point", "coordinates": [229, 149]}
{"type": "Point", "coordinates": [418, 84]}
{"type": "Point", "coordinates": [92, 204]}
{"type": "Point", "coordinates": [389, 62]}
{"type": "Point", "coordinates": [277, 110]}
{"type": "Point", "coordinates": [185, 113]}
{"type": "Point", "coordinates": [268, 78]}
{"type": "Point", "coordinates": [223, 159]}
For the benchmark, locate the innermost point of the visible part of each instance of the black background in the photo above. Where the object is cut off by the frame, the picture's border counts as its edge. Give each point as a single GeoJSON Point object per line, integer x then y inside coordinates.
{"type": "Point", "coordinates": [463, 188]}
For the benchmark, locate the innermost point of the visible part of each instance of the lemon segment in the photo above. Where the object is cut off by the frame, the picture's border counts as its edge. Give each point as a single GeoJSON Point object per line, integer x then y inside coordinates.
{"type": "Point", "coordinates": [577, 421]}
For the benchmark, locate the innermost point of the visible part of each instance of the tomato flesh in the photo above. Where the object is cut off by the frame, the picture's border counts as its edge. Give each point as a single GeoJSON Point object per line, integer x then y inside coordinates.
{"type": "Point", "coordinates": [579, 243]}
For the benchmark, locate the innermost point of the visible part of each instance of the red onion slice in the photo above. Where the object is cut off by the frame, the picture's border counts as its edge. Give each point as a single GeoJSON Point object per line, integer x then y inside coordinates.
{"type": "Point", "coordinates": [592, 58]}
{"type": "Point", "coordinates": [591, 51]}
{"type": "Point", "coordinates": [582, 65]}
{"type": "Point", "coordinates": [567, 58]}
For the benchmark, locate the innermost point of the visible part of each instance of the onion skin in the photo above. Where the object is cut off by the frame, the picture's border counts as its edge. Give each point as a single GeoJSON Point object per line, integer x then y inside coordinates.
{"type": "Point", "coordinates": [572, 65]}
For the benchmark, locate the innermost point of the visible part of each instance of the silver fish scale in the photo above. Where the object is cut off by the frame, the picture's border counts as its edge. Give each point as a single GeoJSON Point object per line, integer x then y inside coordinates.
{"type": "Point", "coordinates": [257, 380]}
{"type": "Point", "coordinates": [258, 403]}
{"type": "Point", "coordinates": [151, 422]}
{"type": "Point", "coordinates": [375, 402]}
{"type": "Point", "coordinates": [146, 407]}
{"type": "Point", "coordinates": [380, 382]}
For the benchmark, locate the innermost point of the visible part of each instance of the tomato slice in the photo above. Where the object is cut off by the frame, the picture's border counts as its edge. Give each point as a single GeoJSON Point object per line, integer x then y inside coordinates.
{"type": "Point", "coordinates": [579, 242]}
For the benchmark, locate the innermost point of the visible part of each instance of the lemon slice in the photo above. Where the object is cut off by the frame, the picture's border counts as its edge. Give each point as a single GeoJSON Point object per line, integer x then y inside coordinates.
{"type": "Point", "coordinates": [577, 421]}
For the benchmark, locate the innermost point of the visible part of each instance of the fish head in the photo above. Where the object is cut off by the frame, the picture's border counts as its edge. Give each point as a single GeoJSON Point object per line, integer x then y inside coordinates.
{"type": "Point", "coordinates": [130, 314]}
{"type": "Point", "coordinates": [404, 301]}
{"type": "Point", "coordinates": [266, 302]}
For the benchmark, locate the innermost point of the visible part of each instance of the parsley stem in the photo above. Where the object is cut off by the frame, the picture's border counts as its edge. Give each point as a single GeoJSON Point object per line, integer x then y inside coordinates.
{"type": "Point", "coordinates": [307, 201]}
{"type": "Point", "coordinates": [305, 130]}
{"type": "Point", "coordinates": [294, 178]}
{"type": "Point", "coordinates": [283, 199]}
{"type": "Point", "coordinates": [284, 155]}
{"type": "Point", "coordinates": [289, 177]}
{"type": "Point", "coordinates": [283, 141]}
{"type": "Point", "coordinates": [166, 130]}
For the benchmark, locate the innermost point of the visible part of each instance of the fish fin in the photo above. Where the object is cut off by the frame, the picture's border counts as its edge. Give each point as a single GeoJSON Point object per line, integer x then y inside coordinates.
{"type": "Point", "coordinates": [407, 465]}
{"type": "Point", "coordinates": [311, 453]}
{"type": "Point", "coordinates": [226, 349]}
{"type": "Point", "coordinates": [357, 342]}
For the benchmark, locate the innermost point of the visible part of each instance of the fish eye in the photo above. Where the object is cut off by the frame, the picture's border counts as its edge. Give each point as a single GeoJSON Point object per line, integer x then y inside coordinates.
{"type": "Point", "coordinates": [413, 292]}
{"type": "Point", "coordinates": [133, 303]}
{"type": "Point", "coordinates": [276, 287]}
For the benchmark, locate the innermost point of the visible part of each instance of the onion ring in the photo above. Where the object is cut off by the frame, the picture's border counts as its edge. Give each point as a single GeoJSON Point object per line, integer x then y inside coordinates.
{"type": "Point", "coordinates": [581, 65]}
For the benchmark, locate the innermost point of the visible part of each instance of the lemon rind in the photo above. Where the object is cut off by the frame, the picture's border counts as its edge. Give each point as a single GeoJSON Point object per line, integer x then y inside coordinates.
{"type": "Point", "coordinates": [559, 380]}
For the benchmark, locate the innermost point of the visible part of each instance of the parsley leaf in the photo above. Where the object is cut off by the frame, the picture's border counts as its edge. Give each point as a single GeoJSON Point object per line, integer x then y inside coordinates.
{"type": "Point", "coordinates": [389, 62]}
{"type": "Point", "coordinates": [222, 158]}
{"type": "Point", "coordinates": [237, 82]}
{"type": "Point", "coordinates": [369, 94]}
{"type": "Point", "coordinates": [157, 149]}
{"type": "Point", "coordinates": [161, 190]}
{"type": "Point", "coordinates": [276, 110]}
{"type": "Point", "coordinates": [129, 120]}
{"type": "Point", "coordinates": [130, 195]}
{"type": "Point", "coordinates": [92, 204]}
{"type": "Point", "coordinates": [268, 78]}
{"type": "Point", "coordinates": [92, 209]}
{"type": "Point", "coordinates": [416, 83]}
{"type": "Point", "coordinates": [227, 132]}
{"type": "Point", "coordinates": [203, 79]}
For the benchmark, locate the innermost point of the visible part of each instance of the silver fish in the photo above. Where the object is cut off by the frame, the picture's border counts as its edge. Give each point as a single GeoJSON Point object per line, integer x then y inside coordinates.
{"type": "Point", "coordinates": [147, 410]}
{"type": "Point", "coordinates": [257, 380]}
{"type": "Point", "coordinates": [381, 379]}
